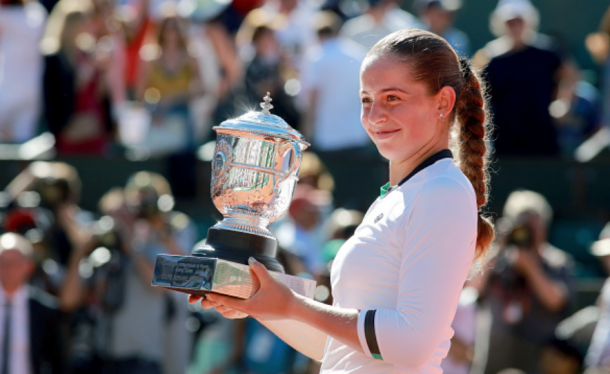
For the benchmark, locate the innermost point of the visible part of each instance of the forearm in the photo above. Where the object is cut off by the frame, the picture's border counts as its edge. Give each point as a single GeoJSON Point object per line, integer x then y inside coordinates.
{"type": "Point", "coordinates": [552, 295]}
{"type": "Point", "coordinates": [340, 323]}
{"type": "Point", "coordinates": [300, 336]}
{"type": "Point", "coordinates": [71, 293]}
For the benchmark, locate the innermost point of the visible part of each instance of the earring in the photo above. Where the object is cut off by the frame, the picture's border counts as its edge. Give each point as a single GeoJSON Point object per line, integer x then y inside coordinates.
{"type": "Point", "coordinates": [442, 116]}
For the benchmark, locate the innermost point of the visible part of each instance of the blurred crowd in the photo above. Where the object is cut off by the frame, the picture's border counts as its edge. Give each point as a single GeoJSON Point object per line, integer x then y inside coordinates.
{"type": "Point", "coordinates": [149, 78]}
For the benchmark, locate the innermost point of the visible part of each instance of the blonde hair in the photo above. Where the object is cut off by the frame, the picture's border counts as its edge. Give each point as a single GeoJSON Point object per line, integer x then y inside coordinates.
{"type": "Point", "coordinates": [65, 15]}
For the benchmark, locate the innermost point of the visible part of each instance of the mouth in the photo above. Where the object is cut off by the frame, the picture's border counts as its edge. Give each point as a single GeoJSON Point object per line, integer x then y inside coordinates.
{"type": "Point", "coordinates": [384, 134]}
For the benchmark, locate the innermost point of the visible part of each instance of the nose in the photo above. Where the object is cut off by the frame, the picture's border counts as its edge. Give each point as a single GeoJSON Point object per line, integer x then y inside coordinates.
{"type": "Point", "coordinates": [375, 114]}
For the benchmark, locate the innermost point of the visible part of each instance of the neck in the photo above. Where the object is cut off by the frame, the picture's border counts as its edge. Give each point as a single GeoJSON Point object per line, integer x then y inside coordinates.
{"type": "Point", "coordinates": [400, 169]}
{"type": "Point", "coordinates": [10, 291]}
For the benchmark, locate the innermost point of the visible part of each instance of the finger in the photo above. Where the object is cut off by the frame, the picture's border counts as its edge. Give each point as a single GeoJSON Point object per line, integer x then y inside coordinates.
{"type": "Point", "coordinates": [194, 298]}
{"type": "Point", "coordinates": [260, 271]}
{"type": "Point", "coordinates": [207, 304]}
{"type": "Point", "coordinates": [230, 302]}
{"type": "Point", "coordinates": [233, 314]}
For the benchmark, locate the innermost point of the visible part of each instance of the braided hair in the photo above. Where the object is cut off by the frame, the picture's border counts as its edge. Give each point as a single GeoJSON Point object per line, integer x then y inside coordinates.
{"type": "Point", "coordinates": [433, 62]}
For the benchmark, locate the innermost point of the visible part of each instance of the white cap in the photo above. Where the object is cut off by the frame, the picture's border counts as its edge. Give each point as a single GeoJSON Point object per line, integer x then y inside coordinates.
{"type": "Point", "coordinates": [602, 246]}
{"type": "Point", "coordinates": [511, 9]}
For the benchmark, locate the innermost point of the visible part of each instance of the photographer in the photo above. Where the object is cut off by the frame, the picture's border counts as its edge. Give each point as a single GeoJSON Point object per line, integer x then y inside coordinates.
{"type": "Point", "coordinates": [530, 287]}
{"type": "Point", "coordinates": [43, 206]}
{"type": "Point", "coordinates": [134, 323]}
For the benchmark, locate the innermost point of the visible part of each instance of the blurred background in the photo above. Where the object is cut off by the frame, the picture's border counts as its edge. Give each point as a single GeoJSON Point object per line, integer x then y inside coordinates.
{"type": "Point", "coordinates": [106, 116]}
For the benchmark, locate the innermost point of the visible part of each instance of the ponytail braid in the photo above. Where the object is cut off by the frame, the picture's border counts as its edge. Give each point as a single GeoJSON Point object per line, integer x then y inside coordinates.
{"type": "Point", "coordinates": [472, 152]}
{"type": "Point", "coordinates": [433, 62]}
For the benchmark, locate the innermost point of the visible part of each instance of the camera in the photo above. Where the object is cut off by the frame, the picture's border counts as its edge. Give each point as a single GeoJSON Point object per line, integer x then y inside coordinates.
{"type": "Point", "coordinates": [53, 192]}
{"type": "Point", "coordinates": [520, 236]}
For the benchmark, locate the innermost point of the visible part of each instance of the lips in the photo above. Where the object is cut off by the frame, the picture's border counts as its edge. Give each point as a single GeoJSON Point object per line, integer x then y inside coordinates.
{"type": "Point", "coordinates": [384, 134]}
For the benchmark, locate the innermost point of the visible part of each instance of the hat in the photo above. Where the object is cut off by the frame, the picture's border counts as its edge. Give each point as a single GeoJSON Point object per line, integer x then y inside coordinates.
{"type": "Point", "coordinates": [602, 246]}
{"type": "Point", "coordinates": [447, 5]}
{"type": "Point", "coordinates": [511, 9]}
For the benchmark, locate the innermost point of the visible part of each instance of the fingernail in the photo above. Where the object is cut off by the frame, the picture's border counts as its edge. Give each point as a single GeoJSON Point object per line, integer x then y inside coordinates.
{"type": "Point", "coordinates": [252, 260]}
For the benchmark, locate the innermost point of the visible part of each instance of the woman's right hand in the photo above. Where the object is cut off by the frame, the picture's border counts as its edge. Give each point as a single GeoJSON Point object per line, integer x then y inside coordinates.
{"type": "Point", "coordinates": [222, 309]}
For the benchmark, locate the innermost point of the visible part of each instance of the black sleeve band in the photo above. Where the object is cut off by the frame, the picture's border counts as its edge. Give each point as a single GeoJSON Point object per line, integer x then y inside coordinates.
{"type": "Point", "coordinates": [369, 333]}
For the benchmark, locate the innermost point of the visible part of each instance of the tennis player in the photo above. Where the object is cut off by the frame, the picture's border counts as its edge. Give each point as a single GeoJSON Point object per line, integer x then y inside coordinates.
{"type": "Point", "coordinates": [397, 281]}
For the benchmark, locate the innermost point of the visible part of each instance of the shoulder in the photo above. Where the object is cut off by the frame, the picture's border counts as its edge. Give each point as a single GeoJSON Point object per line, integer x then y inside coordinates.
{"type": "Point", "coordinates": [557, 258]}
{"type": "Point", "coordinates": [440, 190]}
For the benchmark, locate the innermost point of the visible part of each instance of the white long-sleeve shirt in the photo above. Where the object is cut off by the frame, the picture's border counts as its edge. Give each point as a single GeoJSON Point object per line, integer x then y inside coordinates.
{"type": "Point", "coordinates": [404, 269]}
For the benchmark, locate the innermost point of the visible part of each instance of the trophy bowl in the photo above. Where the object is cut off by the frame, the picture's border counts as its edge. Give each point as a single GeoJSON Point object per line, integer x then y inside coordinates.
{"type": "Point", "coordinates": [254, 173]}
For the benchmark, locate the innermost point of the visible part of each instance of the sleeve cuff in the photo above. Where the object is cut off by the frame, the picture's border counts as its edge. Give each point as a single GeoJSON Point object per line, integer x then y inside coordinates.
{"type": "Point", "coordinates": [367, 334]}
{"type": "Point", "coordinates": [361, 334]}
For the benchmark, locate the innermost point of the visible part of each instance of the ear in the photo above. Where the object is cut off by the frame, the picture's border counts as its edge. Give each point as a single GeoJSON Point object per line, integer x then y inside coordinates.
{"type": "Point", "coordinates": [446, 100]}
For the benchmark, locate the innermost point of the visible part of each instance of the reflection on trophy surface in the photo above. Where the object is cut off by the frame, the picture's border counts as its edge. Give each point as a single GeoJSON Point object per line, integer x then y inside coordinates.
{"type": "Point", "coordinates": [254, 173]}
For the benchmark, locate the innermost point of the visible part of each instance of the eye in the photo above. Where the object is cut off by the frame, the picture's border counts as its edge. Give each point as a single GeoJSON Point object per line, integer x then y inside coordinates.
{"type": "Point", "coordinates": [392, 98]}
{"type": "Point", "coordinates": [366, 100]}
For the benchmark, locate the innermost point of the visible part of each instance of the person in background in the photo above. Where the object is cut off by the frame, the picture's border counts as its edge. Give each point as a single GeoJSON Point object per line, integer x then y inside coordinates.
{"type": "Point", "coordinates": [264, 74]}
{"type": "Point", "coordinates": [598, 355]}
{"type": "Point", "coordinates": [168, 81]}
{"type": "Point", "coordinates": [438, 16]}
{"type": "Point", "coordinates": [21, 65]}
{"type": "Point", "coordinates": [302, 232]}
{"type": "Point", "coordinates": [524, 70]}
{"type": "Point", "coordinates": [560, 357]}
{"type": "Point", "coordinates": [76, 91]}
{"type": "Point", "coordinates": [598, 44]}
{"type": "Point", "coordinates": [382, 18]}
{"type": "Point", "coordinates": [141, 329]}
{"type": "Point", "coordinates": [331, 116]}
{"type": "Point", "coordinates": [529, 290]}
{"type": "Point", "coordinates": [30, 329]}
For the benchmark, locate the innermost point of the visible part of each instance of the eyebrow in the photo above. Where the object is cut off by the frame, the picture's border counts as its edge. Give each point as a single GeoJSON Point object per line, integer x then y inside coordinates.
{"type": "Point", "coordinates": [387, 90]}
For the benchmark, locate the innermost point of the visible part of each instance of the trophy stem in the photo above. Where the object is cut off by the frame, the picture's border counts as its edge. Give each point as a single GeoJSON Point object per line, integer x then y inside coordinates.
{"type": "Point", "coordinates": [245, 223]}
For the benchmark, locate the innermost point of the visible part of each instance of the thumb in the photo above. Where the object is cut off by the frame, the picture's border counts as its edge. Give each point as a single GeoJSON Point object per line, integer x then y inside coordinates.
{"type": "Point", "coordinates": [260, 274]}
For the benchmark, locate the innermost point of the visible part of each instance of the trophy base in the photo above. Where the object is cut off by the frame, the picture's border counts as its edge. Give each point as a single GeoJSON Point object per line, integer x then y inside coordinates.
{"type": "Point", "coordinates": [221, 266]}
{"type": "Point", "coordinates": [238, 247]}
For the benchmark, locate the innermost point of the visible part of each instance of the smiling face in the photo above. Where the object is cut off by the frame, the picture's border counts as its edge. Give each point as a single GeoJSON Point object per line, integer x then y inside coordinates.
{"type": "Point", "coordinates": [399, 114]}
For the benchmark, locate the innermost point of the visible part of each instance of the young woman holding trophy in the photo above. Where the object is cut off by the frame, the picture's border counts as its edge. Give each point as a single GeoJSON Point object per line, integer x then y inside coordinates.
{"type": "Point", "coordinates": [397, 281]}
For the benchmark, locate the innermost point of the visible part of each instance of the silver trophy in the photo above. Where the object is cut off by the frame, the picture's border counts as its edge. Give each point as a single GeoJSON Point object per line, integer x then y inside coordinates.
{"type": "Point", "coordinates": [254, 173]}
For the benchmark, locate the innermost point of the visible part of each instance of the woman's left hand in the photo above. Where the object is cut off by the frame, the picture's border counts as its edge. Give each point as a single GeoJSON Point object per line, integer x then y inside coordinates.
{"type": "Point", "coordinates": [272, 300]}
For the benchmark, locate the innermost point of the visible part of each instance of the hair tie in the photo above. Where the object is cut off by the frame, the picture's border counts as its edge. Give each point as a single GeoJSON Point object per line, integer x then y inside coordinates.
{"type": "Point", "coordinates": [465, 67]}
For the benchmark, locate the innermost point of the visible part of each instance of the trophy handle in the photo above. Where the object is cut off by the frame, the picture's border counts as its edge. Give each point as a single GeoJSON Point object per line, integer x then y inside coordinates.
{"type": "Point", "coordinates": [296, 159]}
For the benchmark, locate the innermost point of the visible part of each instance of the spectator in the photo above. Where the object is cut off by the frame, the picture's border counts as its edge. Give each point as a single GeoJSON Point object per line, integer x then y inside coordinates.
{"type": "Point", "coordinates": [530, 288]}
{"type": "Point", "coordinates": [21, 29]}
{"type": "Point", "coordinates": [524, 69]}
{"type": "Point", "coordinates": [382, 18]}
{"type": "Point", "coordinates": [560, 357]}
{"type": "Point", "coordinates": [598, 355]}
{"type": "Point", "coordinates": [330, 89]}
{"type": "Point", "coordinates": [30, 329]}
{"type": "Point", "coordinates": [264, 74]}
{"type": "Point", "coordinates": [169, 80]}
{"type": "Point", "coordinates": [438, 17]}
{"type": "Point", "coordinates": [302, 232]}
{"type": "Point", "coordinates": [77, 106]}
{"type": "Point", "coordinates": [460, 355]}
{"type": "Point", "coordinates": [598, 45]}
{"type": "Point", "coordinates": [143, 329]}
{"type": "Point", "coordinates": [330, 86]}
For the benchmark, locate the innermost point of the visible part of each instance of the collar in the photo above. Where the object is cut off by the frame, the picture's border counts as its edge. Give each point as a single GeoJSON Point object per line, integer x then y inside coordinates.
{"type": "Point", "coordinates": [445, 153]}
{"type": "Point", "coordinates": [20, 297]}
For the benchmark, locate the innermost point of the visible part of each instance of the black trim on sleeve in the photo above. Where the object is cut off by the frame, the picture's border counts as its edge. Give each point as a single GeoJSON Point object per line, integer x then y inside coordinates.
{"type": "Point", "coordinates": [369, 333]}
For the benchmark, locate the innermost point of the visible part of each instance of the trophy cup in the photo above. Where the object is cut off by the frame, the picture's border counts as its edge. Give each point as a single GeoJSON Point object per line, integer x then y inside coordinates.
{"type": "Point", "coordinates": [254, 173]}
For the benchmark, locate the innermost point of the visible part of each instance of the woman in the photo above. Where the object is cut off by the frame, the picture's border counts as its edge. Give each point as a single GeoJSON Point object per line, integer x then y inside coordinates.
{"type": "Point", "coordinates": [168, 82]}
{"type": "Point", "coordinates": [77, 106]}
{"type": "Point", "coordinates": [397, 281]}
